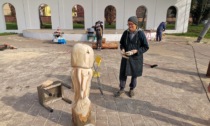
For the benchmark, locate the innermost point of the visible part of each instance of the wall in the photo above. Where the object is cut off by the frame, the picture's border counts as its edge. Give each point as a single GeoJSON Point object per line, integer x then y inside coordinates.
{"type": "Point", "coordinates": [61, 11]}
{"type": "Point", "coordinates": [32, 9]}
{"type": "Point", "coordinates": [19, 15]}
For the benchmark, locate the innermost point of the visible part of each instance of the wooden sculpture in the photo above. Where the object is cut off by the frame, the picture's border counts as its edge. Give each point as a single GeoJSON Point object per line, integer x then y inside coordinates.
{"type": "Point", "coordinates": [82, 58]}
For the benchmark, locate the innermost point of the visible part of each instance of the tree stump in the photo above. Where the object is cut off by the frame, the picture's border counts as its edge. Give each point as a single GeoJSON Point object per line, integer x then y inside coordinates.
{"type": "Point", "coordinates": [82, 58]}
{"type": "Point", "coordinates": [208, 71]}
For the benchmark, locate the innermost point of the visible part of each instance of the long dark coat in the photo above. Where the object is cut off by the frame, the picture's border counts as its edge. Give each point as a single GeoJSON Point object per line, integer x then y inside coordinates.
{"type": "Point", "coordinates": [134, 65]}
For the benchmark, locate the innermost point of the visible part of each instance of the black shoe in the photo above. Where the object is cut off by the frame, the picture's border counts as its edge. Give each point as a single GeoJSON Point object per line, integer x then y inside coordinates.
{"type": "Point", "coordinates": [155, 65]}
{"type": "Point", "coordinates": [131, 93]}
{"type": "Point", "coordinates": [119, 93]}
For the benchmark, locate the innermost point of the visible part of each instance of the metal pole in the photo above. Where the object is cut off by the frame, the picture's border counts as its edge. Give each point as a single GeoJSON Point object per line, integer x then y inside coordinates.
{"type": "Point", "coordinates": [204, 31]}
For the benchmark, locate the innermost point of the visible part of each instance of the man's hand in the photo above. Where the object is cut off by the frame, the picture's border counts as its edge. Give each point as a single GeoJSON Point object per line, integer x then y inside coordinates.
{"type": "Point", "coordinates": [123, 54]}
{"type": "Point", "coordinates": [130, 53]}
{"type": "Point", "coordinates": [134, 51]}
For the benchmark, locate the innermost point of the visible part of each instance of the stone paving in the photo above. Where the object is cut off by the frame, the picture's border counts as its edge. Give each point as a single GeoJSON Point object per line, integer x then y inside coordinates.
{"type": "Point", "coordinates": [169, 95]}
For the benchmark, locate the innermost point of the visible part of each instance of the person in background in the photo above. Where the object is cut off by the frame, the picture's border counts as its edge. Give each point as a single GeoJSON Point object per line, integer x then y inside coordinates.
{"type": "Point", "coordinates": [160, 29]}
{"type": "Point", "coordinates": [99, 34]}
{"type": "Point", "coordinates": [57, 33]}
{"type": "Point", "coordinates": [133, 44]}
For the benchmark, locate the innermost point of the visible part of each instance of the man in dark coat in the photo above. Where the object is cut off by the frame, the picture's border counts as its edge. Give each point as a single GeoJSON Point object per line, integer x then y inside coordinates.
{"type": "Point", "coordinates": [160, 29]}
{"type": "Point", "coordinates": [133, 44]}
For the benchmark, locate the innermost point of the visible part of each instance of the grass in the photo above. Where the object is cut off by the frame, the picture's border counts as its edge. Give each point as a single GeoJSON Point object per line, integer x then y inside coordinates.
{"type": "Point", "coordinates": [170, 26]}
{"type": "Point", "coordinates": [14, 26]}
{"type": "Point", "coordinates": [46, 26]}
{"type": "Point", "coordinates": [78, 26]}
{"type": "Point", "coordinates": [194, 31]}
{"type": "Point", "coordinates": [112, 26]}
{"type": "Point", "coordinates": [7, 33]}
{"type": "Point", "coordinates": [11, 26]}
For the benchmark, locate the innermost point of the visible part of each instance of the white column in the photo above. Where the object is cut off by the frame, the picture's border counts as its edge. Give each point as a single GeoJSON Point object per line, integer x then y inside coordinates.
{"type": "Point", "coordinates": [66, 14]}
{"type": "Point", "coordinates": [187, 15]}
{"type": "Point", "coordinates": [93, 9]}
{"type": "Point", "coordinates": [88, 14]}
{"type": "Point", "coordinates": [61, 13]}
{"type": "Point", "coordinates": [20, 15]}
{"type": "Point", "coordinates": [55, 16]}
{"type": "Point", "coordinates": [33, 14]}
{"type": "Point", "coordinates": [120, 14]}
{"type": "Point", "coordinates": [26, 14]}
{"type": "Point", "coordinates": [2, 19]}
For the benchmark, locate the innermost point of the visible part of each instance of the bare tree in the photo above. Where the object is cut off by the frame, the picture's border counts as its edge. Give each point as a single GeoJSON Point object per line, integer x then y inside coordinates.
{"type": "Point", "coordinates": [144, 16]}
{"type": "Point", "coordinates": [200, 10]}
{"type": "Point", "coordinates": [13, 12]}
{"type": "Point", "coordinates": [12, 9]}
{"type": "Point", "coordinates": [41, 13]}
{"type": "Point", "coordinates": [171, 13]}
{"type": "Point", "coordinates": [110, 14]}
{"type": "Point", "coordinates": [141, 12]}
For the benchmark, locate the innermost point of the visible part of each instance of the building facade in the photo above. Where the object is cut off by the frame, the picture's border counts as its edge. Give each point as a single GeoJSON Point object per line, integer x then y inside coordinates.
{"type": "Point", "coordinates": [27, 13]}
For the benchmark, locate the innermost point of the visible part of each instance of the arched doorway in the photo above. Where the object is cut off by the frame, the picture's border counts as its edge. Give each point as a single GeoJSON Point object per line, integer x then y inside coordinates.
{"type": "Point", "coordinates": [110, 17]}
{"type": "Point", "coordinates": [10, 16]}
{"type": "Point", "coordinates": [45, 17]}
{"type": "Point", "coordinates": [78, 17]}
{"type": "Point", "coordinates": [171, 18]}
{"type": "Point", "coordinates": [141, 14]}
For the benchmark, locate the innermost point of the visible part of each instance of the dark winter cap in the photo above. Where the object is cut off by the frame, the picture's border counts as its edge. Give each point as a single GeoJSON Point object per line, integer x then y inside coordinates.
{"type": "Point", "coordinates": [133, 19]}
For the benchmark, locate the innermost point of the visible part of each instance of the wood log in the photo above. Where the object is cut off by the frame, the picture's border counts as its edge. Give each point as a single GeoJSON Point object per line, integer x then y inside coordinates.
{"type": "Point", "coordinates": [82, 61]}
{"type": "Point", "coordinates": [103, 40]}
{"type": "Point", "coordinates": [110, 45]}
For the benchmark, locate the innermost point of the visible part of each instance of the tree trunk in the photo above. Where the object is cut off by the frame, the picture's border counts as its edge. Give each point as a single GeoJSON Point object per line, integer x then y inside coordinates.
{"type": "Point", "coordinates": [143, 18]}
{"type": "Point", "coordinates": [201, 8]}
{"type": "Point", "coordinates": [41, 10]}
{"type": "Point", "coordinates": [204, 31]}
{"type": "Point", "coordinates": [40, 20]}
{"type": "Point", "coordinates": [13, 13]}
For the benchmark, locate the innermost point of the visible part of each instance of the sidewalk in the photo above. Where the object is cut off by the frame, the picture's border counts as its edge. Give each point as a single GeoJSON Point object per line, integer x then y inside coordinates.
{"type": "Point", "coordinates": [169, 95]}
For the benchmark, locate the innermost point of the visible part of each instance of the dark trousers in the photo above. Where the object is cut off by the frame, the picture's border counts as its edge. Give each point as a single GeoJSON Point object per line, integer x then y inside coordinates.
{"type": "Point", "coordinates": [99, 39]}
{"type": "Point", "coordinates": [158, 36]}
{"type": "Point", "coordinates": [123, 82]}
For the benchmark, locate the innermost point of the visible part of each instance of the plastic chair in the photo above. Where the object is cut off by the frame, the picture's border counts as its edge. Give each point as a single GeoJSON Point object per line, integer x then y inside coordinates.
{"type": "Point", "coordinates": [90, 34]}
{"type": "Point", "coordinates": [96, 74]}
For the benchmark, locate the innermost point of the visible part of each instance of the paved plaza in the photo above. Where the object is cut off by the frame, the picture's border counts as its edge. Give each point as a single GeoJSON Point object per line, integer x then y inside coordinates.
{"type": "Point", "coordinates": [171, 94]}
